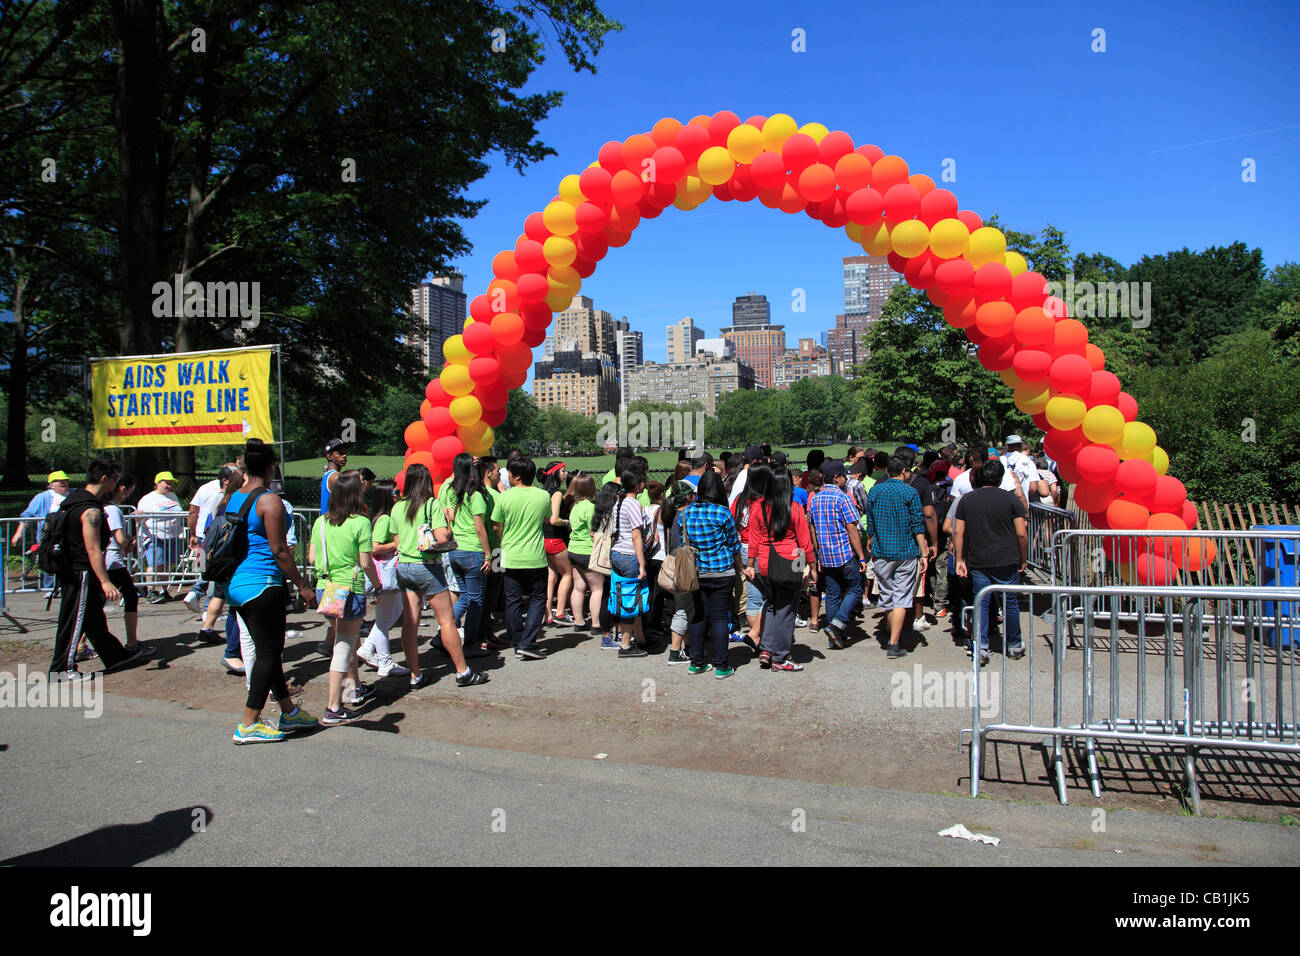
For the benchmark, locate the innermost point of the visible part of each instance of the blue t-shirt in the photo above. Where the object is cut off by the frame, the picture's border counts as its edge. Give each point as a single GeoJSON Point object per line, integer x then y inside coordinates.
{"type": "Point", "coordinates": [325, 489]}
{"type": "Point", "coordinates": [258, 571]}
{"type": "Point", "coordinates": [801, 497]}
{"type": "Point", "coordinates": [693, 479]}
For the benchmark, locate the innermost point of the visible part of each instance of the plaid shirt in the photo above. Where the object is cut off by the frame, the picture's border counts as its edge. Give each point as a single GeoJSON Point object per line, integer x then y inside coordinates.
{"type": "Point", "coordinates": [894, 519]}
{"type": "Point", "coordinates": [712, 533]}
{"type": "Point", "coordinates": [830, 512]}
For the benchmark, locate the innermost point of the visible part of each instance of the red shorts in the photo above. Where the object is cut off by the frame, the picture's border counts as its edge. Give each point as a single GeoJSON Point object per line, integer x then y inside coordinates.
{"type": "Point", "coordinates": [554, 545]}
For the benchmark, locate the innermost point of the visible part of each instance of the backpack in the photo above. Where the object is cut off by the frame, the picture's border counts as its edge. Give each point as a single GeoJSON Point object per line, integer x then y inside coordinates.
{"type": "Point", "coordinates": [226, 545]}
{"type": "Point", "coordinates": [942, 498]}
{"type": "Point", "coordinates": [54, 554]}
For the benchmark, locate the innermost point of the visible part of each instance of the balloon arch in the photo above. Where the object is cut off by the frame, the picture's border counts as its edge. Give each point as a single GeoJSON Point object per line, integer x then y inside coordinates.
{"type": "Point", "coordinates": [1022, 333]}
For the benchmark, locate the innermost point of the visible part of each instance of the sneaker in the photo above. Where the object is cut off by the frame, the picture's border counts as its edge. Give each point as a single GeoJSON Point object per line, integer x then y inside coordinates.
{"type": "Point", "coordinates": [422, 681]}
{"type": "Point", "coordinates": [233, 664]}
{"type": "Point", "coordinates": [636, 650]}
{"type": "Point", "coordinates": [1016, 653]}
{"type": "Point", "coordinates": [132, 655]}
{"type": "Point", "coordinates": [533, 653]}
{"type": "Point", "coordinates": [210, 635]}
{"type": "Point", "coordinates": [146, 650]}
{"type": "Point", "coordinates": [800, 622]}
{"type": "Point", "coordinates": [870, 603]}
{"type": "Point", "coordinates": [608, 643]}
{"type": "Point", "coordinates": [764, 660]}
{"type": "Point", "coordinates": [678, 657]}
{"type": "Point", "coordinates": [332, 718]}
{"type": "Point", "coordinates": [737, 638]}
{"type": "Point", "coordinates": [941, 613]}
{"type": "Point", "coordinates": [835, 637]}
{"type": "Point", "coordinates": [564, 620]}
{"type": "Point", "coordinates": [366, 654]}
{"type": "Point", "coordinates": [299, 720]}
{"type": "Point", "coordinates": [192, 601]}
{"type": "Point", "coordinates": [786, 665]}
{"type": "Point", "coordinates": [896, 651]}
{"type": "Point", "coordinates": [157, 597]}
{"type": "Point", "coordinates": [73, 676]}
{"type": "Point", "coordinates": [85, 654]}
{"type": "Point", "coordinates": [699, 668]}
{"type": "Point", "coordinates": [722, 673]}
{"type": "Point", "coordinates": [392, 667]}
{"type": "Point", "coordinates": [472, 679]}
{"type": "Point", "coordinates": [259, 733]}
{"type": "Point", "coordinates": [360, 694]}
{"type": "Point", "coordinates": [920, 624]}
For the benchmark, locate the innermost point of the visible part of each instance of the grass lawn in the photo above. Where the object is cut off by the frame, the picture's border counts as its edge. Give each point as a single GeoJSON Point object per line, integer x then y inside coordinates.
{"type": "Point", "coordinates": [660, 462]}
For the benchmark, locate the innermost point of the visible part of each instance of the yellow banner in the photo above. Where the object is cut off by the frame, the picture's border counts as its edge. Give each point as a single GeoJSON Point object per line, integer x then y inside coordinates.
{"type": "Point", "coordinates": [191, 398]}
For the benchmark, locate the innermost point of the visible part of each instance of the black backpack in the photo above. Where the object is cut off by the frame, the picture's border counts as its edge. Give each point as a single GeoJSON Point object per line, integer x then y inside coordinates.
{"type": "Point", "coordinates": [942, 498]}
{"type": "Point", "coordinates": [54, 556]}
{"type": "Point", "coordinates": [226, 543]}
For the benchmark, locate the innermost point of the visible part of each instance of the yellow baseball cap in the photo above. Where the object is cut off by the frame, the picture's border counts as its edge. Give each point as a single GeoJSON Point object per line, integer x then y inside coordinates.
{"type": "Point", "coordinates": [163, 476]}
{"type": "Point", "coordinates": [57, 476]}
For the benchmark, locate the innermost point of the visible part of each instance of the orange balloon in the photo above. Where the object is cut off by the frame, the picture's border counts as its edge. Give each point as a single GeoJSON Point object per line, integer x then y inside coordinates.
{"type": "Point", "coordinates": [888, 171]}
{"type": "Point", "coordinates": [665, 131]}
{"type": "Point", "coordinates": [921, 183]}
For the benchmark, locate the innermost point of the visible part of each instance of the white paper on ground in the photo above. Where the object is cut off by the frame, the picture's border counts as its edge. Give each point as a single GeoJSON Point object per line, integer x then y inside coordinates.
{"type": "Point", "coordinates": [960, 832]}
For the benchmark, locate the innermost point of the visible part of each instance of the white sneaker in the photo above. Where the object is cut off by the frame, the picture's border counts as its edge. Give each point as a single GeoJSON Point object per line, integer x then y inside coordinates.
{"type": "Point", "coordinates": [72, 676]}
{"type": "Point", "coordinates": [366, 652]}
{"type": "Point", "coordinates": [799, 622]}
{"type": "Point", "coordinates": [392, 667]}
{"type": "Point", "coordinates": [920, 624]}
{"type": "Point", "coordinates": [192, 602]}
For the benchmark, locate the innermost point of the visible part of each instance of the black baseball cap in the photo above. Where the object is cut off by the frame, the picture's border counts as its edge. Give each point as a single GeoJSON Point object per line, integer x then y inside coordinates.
{"type": "Point", "coordinates": [334, 444]}
{"type": "Point", "coordinates": [780, 458]}
{"type": "Point", "coordinates": [832, 468]}
{"type": "Point", "coordinates": [753, 453]}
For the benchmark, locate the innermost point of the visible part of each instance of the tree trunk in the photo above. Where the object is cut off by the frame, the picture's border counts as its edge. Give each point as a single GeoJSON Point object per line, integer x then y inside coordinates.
{"type": "Point", "coordinates": [16, 434]}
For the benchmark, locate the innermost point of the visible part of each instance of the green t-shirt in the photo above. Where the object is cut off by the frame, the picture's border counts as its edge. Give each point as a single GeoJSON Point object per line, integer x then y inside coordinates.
{"type": "Point", "coordinates": [493, 517]}
{"type": "Point", "coordinates": [382, 531]}
{"type": "Point", "coordinates": [644, 498]}
{"type": "Point", "coordinates": [523, 509]}
{"type": "Point", "coordinates": [462, 525]}
{"type": "Point", "coordinates": [408, 531]}
{"type": "Point", "coordinates": [580, 527]}
{"type": "Point", "coordinates": [609, 476]}
{"type": "Point", "coordinates": [338, 559]}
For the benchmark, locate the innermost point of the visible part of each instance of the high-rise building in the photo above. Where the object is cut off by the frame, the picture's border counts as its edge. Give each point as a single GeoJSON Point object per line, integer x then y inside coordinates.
{"type": "Point", "coordinates": [704, 379]}
{"type": "Point", "coordinates": [631, 353]}
{"type": "Point", "coordinates": [582, 328]}
{"type": "Point", "coordinates": [758, 346]}
{"type": "Point", "coordinates": [681, 340]}
{"type": "Point", "coordinates": [718, 348]}
{"type": "Point", "coordinates": [867, 283]}
{"type": "Point", "coordinates": [439, 305]}
{"type": "Point", "coordinates": [582, 382]}
{"type": "Point", "coordinates": [750, 310]}
{"type": "Point", "coordinates": [809, 360]}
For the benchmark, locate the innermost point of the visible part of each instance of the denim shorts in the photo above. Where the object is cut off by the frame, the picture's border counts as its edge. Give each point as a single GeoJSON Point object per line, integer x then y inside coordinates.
{"type": "Point", "coordinates": [424, 579]}
{"type": "Point", "coordinates": [162, 552]}
{"type": "Point", "coordinates": [754, 599]}
{"type": "Point", "coordinates": [354, 608]}
{"type": "Point", "coordinates": [624, 564]}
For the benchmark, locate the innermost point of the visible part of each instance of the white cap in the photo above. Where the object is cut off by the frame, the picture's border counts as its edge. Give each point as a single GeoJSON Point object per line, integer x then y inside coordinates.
{"type": "Point", "coordinates": [1014, 440]}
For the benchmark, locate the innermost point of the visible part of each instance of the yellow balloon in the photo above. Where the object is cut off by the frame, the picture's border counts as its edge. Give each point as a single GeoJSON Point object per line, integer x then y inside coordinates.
{"type": "Point", "coordinates": [777, 130]}
{"type": "Point", "coordinates": [454, 351]}
{"type": "Point", "coordinates": [949, 238]}
{"type": "Point", "coordinates": [1032, 397]}
{"type": "Point", "coordinates": [559, 300]}
{"type": "Point", "coordinates": [455, 380]}
{"type": "Point", "coordinates": [559, 250]}
{"type": "Point", "coordinates": [875, 239]}
{"type": "Point", "coordinates": [1127, 573]}
{"type": "Point", "coordinates": [1137, 441]}
{"type": "Point", "coordinates": [1104, 424]}
{"type": "Point", "coordinates": [465, 410]}
{"type": "Point", "coordinates": [1009, 377]}
{"type": "Point", "coordinates": [468, 322]}
{"type": "Point", "coordinates": [570, 191]}
{"type": "Point", "coordinates": [716, 165]}
{"type": "Point", "coordinates": [1016, 263]}
{"type": "Point", "coordinates": [1160, 458]}
{"type": "Point", "coordinates": [854, 231]}
{"type": "Point", "coordinates": [1065, 411]}
{"type": "Point", "coordinates": [482, 444]}
{"type": "Point", "coordinates": [986, 245]}
{"type": "Point", "coordinates": [744, 143]}
{"type": "Point", "coordinates": [816, 130]}
{"type": "Point", "coordinates": [564, 279]}
{"type": "Point", "coordinates": [559, 218]}
{"type": "Point", "coordinates": [909, 238]}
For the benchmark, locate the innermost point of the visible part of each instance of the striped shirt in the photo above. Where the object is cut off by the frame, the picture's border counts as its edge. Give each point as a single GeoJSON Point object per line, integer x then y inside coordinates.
{"type": "Point", "coordinates": [894, 519]}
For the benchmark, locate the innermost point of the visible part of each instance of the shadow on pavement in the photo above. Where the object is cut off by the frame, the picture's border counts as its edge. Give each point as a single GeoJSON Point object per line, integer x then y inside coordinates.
{"type": "Point", "coordinates": [122, 844]}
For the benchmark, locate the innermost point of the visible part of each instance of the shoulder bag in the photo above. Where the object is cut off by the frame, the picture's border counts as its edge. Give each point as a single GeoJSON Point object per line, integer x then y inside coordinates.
{"type": "Point", "coordinates": [334, 597]}
{"type": "Point", "coordinates": [602, 543]}
{"type": "Point", "coordinates": [680, 572]}
{"type": "Point", "coordinates": [427, 542]}
{"type": "Point", "coordinates": [783, 571]}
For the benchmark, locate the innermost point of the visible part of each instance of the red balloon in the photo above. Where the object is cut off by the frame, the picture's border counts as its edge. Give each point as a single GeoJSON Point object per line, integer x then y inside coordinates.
{"type": "Point", "coordinates": [507, 328]}
{"type": "Point", "coordinates": [799, 151]}
{"type": "Point", "coordinates": [864, 205]}
{"type": "Point", "coordinates": [897, 263]}
{"type": "Point", "coordinates": [1098, 520]}
{"type": "Point", "coordinates": [996, 354]}
{"type": "Point", "coordinates": [692, 141]}
{"type": "Point", "coordinates": [594, 182]}
{"type": "Point", "coordinates": [636, 150]}
{"type": "Point", "coordinates": [585, 267]}
{"type": "Point", "coordinates": [1032, 365]}
{"type": "Point", "coordinates": [1170, 496]}
{"type": "Point", "coordinates": [1097, 464]}
{"type": "Point", "coordinates": [720, 125]}
{"type": "Point", "coordinates": [610, 157]}
{"type": "Point", "coordinates": [1155, 571]}
{"type": "Point", "coordinates": [615, 238]}
{"type": "Point", "coordinates": [970, 219]}
{"type": "Point", "coordinates": [536, 315]}
{"type": "Point", "coordinates": [995, 319]}
{"type": "Point", "coordinates": [1071, 374]}
{"type": "Point", "coordinates": [960, 312]}
{"type": "Point", "coordinates": [513, 378]}
{"type": "Point", "coordinates": [400, 480]}
{"type": "Point", "coordinates": [1136, 479]}
{"type": "Point", "coordinates": [532, 287]}
{"type": "Point", "coordinates": [919, 271]}
{"type": "Point", "coordinates": [954, 276]}
{"type": "Point", "coordinates": [591, 247]}
{"type": "Point", "coordinates": [834, 146]}
{"type": "Point", "coordinates": [871, 151]}
{"type": "Point", "coordinates": [627, 188]}
{"type": "Point", "coordinates": [436, 394]}
{"type": "Point", "coordinates": [535, 228]}
{"type": "Point", "coordinates": [817, 182]}
{"type": "Point", "coordinates": [504, 265]}
{"type": "Point", "coordinates": [530, 256]}
{"type": "Point", "coordinates": [1034, 327]}
{"type": "Point", "coordinates": [937, 296]}
{"type": "Point", "coordinates": [1065, 467]}
{"type": "Point", "coordinates": [438, 422]}
{"type": "Point", "coordinates": [515, 358]}
{"type": "Point", "coordinates": [478, 338]}
{"type": "Point", "coordinates": [1126, 514]}
{"type": "Point", "coordinates": [1190, 515]}
{"type": "Point", "coordinates": [534, 337]}
{"type": "Point", "coordinates": [484, 370]}
{"type": "Point", "coordinates": [624, 218]}
{"type": "Point", "coordinates": [992, 282]}
{"type": "Point", "coordinates": [768, 170]}
{"type": "Point", "coordinates": [936, 205]}
{"type": "Point", "coordinates": [670, 164]}
{"type": "Point", "coordinates": [590, 217]}
{"type": "Point", "coordinates": [902, 202]}
{"type": "Point", "coordinates": [1027, 289]}
{"type": "Point", "coordinates": [1063, 445]}
{"type": "Point", "coordinates": [445, 451]}
{"type": "Point", "coordinates": [1104, 389]}
{"type": "Point", "coordinates": [480, 309]}
{"type": "Point", "coordinates": [494, 416]}
{"type": "Point", "coordinates": [492, 396]}
{"type": "Point", "coordinates": [1128, 406]}
{"type": "Point", "coordinates": [1040, 420]}
{"type": "Point", "coordinates": [833, 212]}
{"type": "Point", "coordinates": [1094, 497]}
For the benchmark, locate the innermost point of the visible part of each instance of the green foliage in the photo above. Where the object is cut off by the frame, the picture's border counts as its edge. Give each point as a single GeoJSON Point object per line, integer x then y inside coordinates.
{"type": "Point", "coordinates": [523, 425]}
{"type": "Point", "coordinates": [746, 416]}
{"type": "Point", "coordinates": [563, 431]}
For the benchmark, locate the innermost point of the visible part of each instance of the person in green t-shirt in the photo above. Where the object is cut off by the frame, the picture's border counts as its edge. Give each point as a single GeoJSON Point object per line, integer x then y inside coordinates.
{"type": "Point", "coordinates": [489, 473]}
{"type": "Point", "coordinates": [465, 504]}
{"type": "Point", "coordinates": [418, 521]}
{"type": "Point", "coordinates": [340, 550]}
{"type": "Point", "coordinates": [555, 538]}
{"type": "Point", "coordinates": [585, 581]}
{"type": "Point", "coordinates": [523, 557]}
{"type": "Point", "coordinates": [374, 650]}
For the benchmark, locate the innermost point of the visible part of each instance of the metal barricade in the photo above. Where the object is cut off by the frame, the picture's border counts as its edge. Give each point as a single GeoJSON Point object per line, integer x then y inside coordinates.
{"type": "Point", "coordinates": [1044, 523]}
{"type": "Point", "coordinates": [1218, 684]}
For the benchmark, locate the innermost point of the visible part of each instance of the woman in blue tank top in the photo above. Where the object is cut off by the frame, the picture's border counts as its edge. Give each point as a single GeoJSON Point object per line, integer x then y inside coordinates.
{"type": "Point", "coordinates": [257, 593]}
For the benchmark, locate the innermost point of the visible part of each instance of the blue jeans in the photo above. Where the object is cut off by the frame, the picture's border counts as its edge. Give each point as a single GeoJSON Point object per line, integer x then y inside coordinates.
{"type": "Point", "coordinates": [843, 592]}
{"type": "Point", "coordinates": [709, 616]}
{"type": "Point", "coordinates": [982, 578]}
{"type": "Point", "coordinates": [467, 568]}
{"type": "Point", "coordinates": [233, 650]}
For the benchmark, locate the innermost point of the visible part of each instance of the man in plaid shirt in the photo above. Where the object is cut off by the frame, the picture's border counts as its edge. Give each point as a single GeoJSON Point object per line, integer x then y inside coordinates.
{"type": "Point", "coordinates": [896, 533]}
{"type": "Point", "coordinates": [840, 557]}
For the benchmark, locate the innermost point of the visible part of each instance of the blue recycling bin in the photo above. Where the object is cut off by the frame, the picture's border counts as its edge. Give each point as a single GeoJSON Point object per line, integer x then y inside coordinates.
{"type": "Point", "coordinates": [1278, 569]}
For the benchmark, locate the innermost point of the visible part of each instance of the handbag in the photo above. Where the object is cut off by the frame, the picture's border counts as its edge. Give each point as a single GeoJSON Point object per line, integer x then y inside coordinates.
{"type": "Point", "coordinates": [427, 542]}
{"type": "Point", "coordinates": [334, 597]}
{"type": "Point", "coordinates": [679, 572]}
{"type": "Point", "coordinates": [602, 544]}
{"type": "Point", "coordinates": [780, 570]}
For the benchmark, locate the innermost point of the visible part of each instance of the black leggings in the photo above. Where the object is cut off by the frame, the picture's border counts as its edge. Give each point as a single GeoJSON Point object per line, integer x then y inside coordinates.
{"type": "Point", "coordinates": [264, 616]}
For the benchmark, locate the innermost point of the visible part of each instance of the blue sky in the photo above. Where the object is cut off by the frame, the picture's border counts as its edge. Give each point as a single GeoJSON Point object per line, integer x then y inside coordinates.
{"type": "Point", "coordinates": [1134, 151]}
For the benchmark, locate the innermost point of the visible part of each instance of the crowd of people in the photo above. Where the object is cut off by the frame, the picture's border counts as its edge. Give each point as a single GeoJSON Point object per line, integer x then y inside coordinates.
{"type": "Point", "coordinates": [743, 548]}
